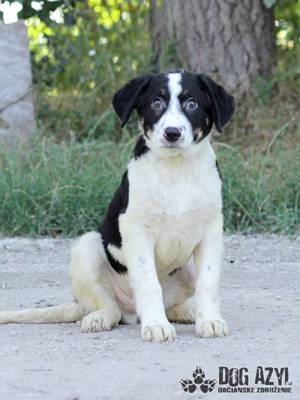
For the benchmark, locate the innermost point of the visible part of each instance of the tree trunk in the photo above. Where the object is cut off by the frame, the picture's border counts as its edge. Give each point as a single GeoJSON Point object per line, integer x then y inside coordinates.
{"type": "Point", "coordinates": [233, 41]}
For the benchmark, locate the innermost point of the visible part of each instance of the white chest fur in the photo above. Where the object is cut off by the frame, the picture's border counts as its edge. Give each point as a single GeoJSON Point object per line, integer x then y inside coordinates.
{"type": "Point", "coordinates": [174, 199]}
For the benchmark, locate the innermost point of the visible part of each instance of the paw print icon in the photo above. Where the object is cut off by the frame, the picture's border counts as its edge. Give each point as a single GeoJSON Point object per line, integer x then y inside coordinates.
{"type": "Point", "coordinates": [198, 376]}
{"type": "Point", "coordinates": [199, 381]}
{"type": "Point", "coordinates": [188, 385]}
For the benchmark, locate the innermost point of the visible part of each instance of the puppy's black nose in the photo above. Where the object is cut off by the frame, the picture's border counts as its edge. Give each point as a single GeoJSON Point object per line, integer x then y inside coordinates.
{"type": "Point", "coordinates": [172, 134]}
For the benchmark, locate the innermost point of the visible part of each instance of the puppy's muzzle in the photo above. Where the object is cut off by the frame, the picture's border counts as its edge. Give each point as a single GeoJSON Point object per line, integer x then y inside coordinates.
{"type": "Point", "coordinates": [172, 134]}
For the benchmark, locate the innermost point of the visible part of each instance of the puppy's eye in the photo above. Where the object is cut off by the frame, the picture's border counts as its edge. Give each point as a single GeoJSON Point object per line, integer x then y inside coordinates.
{"type": "Point", "coordinates": [190, 105]}
{"type": "Point", "coordinates": [158, 104]}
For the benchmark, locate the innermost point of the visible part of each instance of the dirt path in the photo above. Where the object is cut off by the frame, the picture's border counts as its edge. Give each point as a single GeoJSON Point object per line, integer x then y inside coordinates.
{"type": "Point", "coordinates": [261, 302]}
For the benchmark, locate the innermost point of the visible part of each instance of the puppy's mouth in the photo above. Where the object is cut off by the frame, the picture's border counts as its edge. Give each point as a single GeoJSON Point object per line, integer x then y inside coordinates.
{"type": "Point", "coordinates": [171, 145]}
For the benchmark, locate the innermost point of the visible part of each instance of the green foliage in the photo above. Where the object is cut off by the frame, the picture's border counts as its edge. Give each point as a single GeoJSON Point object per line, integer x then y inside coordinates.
{"type": "Point", "coordinates": [263, 88]}
{"type": "Point", "coordinates": [39, 8]}
{"type": "Point", "coordinates": [81, 59]}
{"type": "Point", "coordinates": [287, 24]}
{"type": "Point", "coordinates": [287, 14]}
{"type": "Point", "coordinates": [65, 188]}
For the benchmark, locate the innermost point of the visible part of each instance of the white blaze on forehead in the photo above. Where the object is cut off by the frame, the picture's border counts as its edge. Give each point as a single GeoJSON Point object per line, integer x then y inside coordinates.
{"type": "Point", "coordinates": [173, 117]}
{"type": "Point", "coordinates": [175, 89]}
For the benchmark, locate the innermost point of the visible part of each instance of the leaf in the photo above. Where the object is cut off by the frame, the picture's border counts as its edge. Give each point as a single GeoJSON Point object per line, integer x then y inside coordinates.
{"type": "Point", "coordinates": [269, 3]}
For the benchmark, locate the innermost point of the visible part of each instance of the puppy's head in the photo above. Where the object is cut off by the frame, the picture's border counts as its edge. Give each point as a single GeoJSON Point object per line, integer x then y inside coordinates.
{"type": "Point", "coordinates": [177, 110]}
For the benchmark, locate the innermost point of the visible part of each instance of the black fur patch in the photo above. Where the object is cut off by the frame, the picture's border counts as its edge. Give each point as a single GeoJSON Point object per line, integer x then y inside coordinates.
{"type": "Point", "coordinates": [140, 147]}
{"type": "Point", "coordinates": [200, 119]}
{"type": "Point", "coordinates": [218, 169]}
{"type": "Point", "coordinates": [125, 100]}
{"type": "Point", "coordinates": [109, 226]}
{"type": "Point", "coordinates": [222, 103]}
{"type": "Point", "coordinates": [157, 88]}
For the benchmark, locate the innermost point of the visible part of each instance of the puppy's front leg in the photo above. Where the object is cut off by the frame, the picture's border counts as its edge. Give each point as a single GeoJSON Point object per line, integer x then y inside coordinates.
{"type": "Point", "coordinates": [138, 246]}
{"type": "Point", "coordinates": [208, 257]}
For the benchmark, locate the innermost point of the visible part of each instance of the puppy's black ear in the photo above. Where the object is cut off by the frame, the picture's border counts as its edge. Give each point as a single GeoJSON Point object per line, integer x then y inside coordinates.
{"type": "Point", "coordinates": [222, 102]}
{"type": "Point", "coordinates": [125, 100]}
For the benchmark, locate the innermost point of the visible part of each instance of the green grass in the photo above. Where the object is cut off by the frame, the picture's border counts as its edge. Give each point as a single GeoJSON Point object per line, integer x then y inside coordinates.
{"type": "Point", "coordinates": [261, 192]}
{"type": "Point", "coordinates": [64, 188]}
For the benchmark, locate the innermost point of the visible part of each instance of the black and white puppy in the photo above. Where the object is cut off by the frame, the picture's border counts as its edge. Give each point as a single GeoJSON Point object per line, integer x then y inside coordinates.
{"type": "Point", "coordinates": [157, 254]}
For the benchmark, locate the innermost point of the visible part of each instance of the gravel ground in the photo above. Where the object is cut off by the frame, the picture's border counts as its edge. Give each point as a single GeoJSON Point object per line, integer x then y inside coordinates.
{"type": "Point", "coordinates": [261, 303]}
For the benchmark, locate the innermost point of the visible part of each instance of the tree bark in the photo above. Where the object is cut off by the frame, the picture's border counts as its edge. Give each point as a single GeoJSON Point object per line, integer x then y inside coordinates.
{"type": "Point", "coordinates": [233, 41]}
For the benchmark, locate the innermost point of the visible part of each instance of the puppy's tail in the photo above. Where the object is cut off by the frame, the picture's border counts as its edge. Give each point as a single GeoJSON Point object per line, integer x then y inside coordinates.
{"type": "Point", "coordinates": [62, 313]}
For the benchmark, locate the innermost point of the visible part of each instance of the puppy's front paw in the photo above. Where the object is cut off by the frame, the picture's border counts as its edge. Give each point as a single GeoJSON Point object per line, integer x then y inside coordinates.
{"type": "Point", "coordinates": [211, 328]}
{"type": "Point", "coordinates": [158, 333]}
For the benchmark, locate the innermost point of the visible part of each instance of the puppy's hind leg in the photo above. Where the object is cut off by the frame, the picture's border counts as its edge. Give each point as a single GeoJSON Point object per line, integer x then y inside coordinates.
{"type": "Point", "coordinates": [183, 313]}
{"type": "Point", "coordinates": [178, 295]}
{"type": "Point", "coordinates": [91, 286]}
